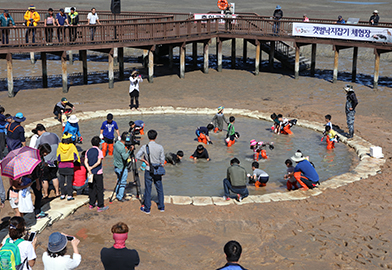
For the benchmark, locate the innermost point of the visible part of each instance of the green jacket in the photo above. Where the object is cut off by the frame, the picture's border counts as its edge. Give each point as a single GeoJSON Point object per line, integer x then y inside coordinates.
{"type": "Point", "coordinates": [120, 155]}
{"type": "Point", "coordinates": [237, 176]}
{"type": "Point", "coordinates": [230, 130]}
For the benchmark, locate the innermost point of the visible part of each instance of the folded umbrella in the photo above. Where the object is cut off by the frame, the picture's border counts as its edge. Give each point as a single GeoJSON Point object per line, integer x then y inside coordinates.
{"type": "Point", "coordinates": [20, 162]}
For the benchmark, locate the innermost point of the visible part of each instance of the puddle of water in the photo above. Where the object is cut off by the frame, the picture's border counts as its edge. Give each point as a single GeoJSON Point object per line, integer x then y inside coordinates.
{"type": "Point", "coordinates": [205, 178]}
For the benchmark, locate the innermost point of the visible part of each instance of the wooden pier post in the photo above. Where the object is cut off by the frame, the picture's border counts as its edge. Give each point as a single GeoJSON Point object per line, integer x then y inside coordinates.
{"type": "Point", "coordinates": [145, 58]}
{"type": "Point", "coordinates": [115, 57]}
{"type": "Point", "coordinates": [182, 61]}
{"type": "Point", "coordinates": [83, 55]}
{"type": "Point", "coordinates": [245, 51]}
{"type": "Point", "coordinates": [296, 65]}
{"type": "Point", "coordinates": [194, 53]}
{"type": "Point", "coordinates": [335, 64]}
{"type": "Point", "coordinates": [313, 60]}
{"type": "Point", "coordinates": [271, 55]}
{"type": "Point", "coordinates": [70, 57]}
{"type": "Point", "coordinates": [219, 53]}
{"type": "Point", "coordinates": [376, 68]}
{"type": "Point", "coordinates": [44, 70]}
{"type": "Point", "coordinates": [171, 56]}
{"type": "Point", "coordinates": [64, 71]}
{"type": "Point", "coordinates": [32, 58]}
{"type": "Point", "coordinates": [205, 56]}
{"type": "Point", "coordinates": [151, 65]}
{"type": "Point", "coordinates": [111, 69]}
{"type": "Point", "coordinates": [121, 62]}
{"type": "Point", "coordinates": [10, 77]}
{"type": "Point", "coordinates": [257, 57]}
{"type": "Point", "coordinates": [233, 53]}
{"type": "Point", "coordinates": [354, 69]}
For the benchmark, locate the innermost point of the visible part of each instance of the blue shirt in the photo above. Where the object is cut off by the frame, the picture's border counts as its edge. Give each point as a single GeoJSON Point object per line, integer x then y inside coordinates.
{"type": "Point", "coordinates": [203, 130]}
{"type": "Point", "coordinates": [108, 129]}
{"type": "Point", "coordinates": [232, 266]}
{"type": "Point", "coordinates": [61, 18]}
{"type": "Point", "coordinates": [2, 123]}
{"type": "Point", "coordinates": [307, 170]}
{"type": "Point", "coordinates": [72, 129]}
{"type": "Point", "coordinates": [93, 156]}
{"type": "Point", "coordinates": [6, 21]}
{"type": "Point", "coordinates": [139, 123]}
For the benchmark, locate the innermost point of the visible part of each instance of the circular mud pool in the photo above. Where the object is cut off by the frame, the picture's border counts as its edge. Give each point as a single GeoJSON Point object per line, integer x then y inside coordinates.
{"type": "Point", "coordinates": [202, 178]}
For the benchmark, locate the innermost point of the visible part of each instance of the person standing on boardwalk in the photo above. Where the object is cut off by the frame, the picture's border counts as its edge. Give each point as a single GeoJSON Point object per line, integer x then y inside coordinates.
{"type": "Point", "coordinates": [73, 19]}
{"type": "Point", "coordinates": [135, 79]}
{"type": "Point", "coordinates": [32, 18]}
{"type": "Point", "coordinates": [153, 155]}
{"type": "Point", "coordinates": [5, 21]}
{"type": "Point", "coordinates": [93, 20]}
{"type": "Point", "coordinates": [278, 15]}
{"type": "Point", "coordinates": [374, 18]}
{"type": "Point", "coordinates": [61, 21]}
{"type": "Point", "coordinates": [351, 104]}
{"type": "Point", "coordinates": [49, 22]}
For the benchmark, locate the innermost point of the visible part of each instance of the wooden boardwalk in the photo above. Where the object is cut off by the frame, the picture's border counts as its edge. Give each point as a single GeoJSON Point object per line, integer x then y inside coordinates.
{"type": "Point", "coordinates": [148, 30]}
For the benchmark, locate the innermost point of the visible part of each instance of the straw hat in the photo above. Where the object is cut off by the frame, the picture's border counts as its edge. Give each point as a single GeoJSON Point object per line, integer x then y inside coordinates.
{"type": "Point", "coordinates": [298, 156]}
{"type": "Point", "coordinates": [73, 119]}
{"type": "Point", "coordinates": [135, 72]}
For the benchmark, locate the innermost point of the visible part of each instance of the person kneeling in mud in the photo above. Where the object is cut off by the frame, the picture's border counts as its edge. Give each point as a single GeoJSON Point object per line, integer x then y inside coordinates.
{"type": "Point", "coordinates": [172, 158]}
{"type": "Point", "coordinates": [200, 153]}
{"type": "Point", "coordinates": [304, 172]}
{"type": "Point", "coordinates": [331, 136]}
{"type": "Point", "coordinates": [259, 177]}
{"type": "Point", "coordinates": [202, 134]}
{"type": "Point", "coordinates": [218, 120]}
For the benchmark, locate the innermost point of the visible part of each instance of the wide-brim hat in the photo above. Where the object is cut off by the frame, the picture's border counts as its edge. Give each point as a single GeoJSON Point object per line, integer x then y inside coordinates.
{"type": "Point", "coordinates": [134, 72]}
{"type": "Point", "coordinates": [278, 7]}
{"type": "Point", "coordinates": [253, 142]}
{"type": "Point", "coordinates": [57, 242]}
{"type": "Point", "coordinates": [73, 119]}
{"type": "Point", "coordinates": [19, 117]}
{"type": "Point", "coordinates": [348, 88]}
{"type": "Point", "coordinates": [375, 11]}
{"type": "Point", "coordinates": [298, 156]}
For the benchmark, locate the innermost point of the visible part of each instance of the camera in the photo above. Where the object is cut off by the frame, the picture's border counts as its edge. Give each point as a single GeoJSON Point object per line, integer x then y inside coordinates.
{"type": "Point", "coordinates": [131, 139]}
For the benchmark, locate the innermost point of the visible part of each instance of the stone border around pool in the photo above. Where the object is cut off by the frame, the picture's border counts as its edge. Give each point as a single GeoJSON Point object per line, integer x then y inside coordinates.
{"type": "Point", "coordinates": [367, 166]}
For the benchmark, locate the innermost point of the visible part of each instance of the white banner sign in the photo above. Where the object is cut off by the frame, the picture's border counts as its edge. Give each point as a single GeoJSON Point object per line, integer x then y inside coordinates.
{"type": "Point", "coordinates": [341, 31]}
{"type": "Point", "coordinates": [199, 16]}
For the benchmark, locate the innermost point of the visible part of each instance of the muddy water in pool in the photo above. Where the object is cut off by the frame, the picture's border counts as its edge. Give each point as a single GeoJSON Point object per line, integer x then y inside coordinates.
{"type": "Point", "coordinates": [177, 132]}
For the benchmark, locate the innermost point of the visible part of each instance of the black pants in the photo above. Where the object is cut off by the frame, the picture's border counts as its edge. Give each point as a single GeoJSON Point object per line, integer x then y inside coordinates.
{"type": "Point", "coordinates": [2, 144]}
{"type": "Point", "coordinates": [134, 96]}
{"type": "Point", "coordinates": [49, 34]}
{"type": "Point", "coordinates": [72, 33]}
{"type": "Point", "coordinates": [38, 198]}
{"type": "Point", "coordinates": [66, 178]}
{"type": "Point", "coordinates": [96, 190]}
{"type": "Point", "coordinates": [308, 183]}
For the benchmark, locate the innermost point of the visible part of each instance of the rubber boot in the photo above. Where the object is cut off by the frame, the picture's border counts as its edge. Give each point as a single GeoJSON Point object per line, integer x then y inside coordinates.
{"type": "Point", "coordinates": [111, 147]}
{"type": "Point", "coordinates": [104, 148]}
{"type": "Point", "coordinates": [142, 131]}
{"type": "Point", "coordinates": [264, 154]}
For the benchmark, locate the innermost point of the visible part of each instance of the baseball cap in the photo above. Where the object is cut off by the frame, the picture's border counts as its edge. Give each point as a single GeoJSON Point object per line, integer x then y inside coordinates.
{"type": "Point", "coordinates": [65, 100]}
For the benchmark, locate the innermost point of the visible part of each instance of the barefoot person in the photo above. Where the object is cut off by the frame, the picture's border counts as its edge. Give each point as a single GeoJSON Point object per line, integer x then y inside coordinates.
{"type": "Point", "coordinates": [351, 104]}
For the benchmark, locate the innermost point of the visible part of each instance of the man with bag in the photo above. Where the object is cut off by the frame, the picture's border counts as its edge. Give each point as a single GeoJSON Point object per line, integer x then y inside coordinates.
{"type": "Point", "coordinates": [154, 156]}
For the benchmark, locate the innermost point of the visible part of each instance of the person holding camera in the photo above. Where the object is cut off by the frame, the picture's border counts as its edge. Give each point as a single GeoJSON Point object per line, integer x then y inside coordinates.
{"type": "Point", "coordinates": [135, 79]}
{"type": "Point", "coordinates": [120, 156]}
{"type": "Point", "coordinates": [154, 156]}
{"type": "Point", "coordinates": [55, 258]}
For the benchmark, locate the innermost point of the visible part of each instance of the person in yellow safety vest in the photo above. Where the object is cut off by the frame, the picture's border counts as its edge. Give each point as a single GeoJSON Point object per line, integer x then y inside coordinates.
{"type": "Point", "coordinates": [32, 18]}
{"type": "Point", "coordinates": [73, 18]}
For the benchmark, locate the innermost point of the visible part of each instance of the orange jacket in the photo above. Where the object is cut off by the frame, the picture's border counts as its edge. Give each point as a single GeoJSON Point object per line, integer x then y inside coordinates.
{"type": "Point", "coordinates": [32, 15]}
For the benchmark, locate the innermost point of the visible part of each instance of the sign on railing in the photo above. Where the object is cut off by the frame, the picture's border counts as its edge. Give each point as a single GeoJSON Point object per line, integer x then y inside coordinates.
{"type": "Point", "coordinates": [219, 16]}
{"type": "Point", "coordinates": [341, 31]}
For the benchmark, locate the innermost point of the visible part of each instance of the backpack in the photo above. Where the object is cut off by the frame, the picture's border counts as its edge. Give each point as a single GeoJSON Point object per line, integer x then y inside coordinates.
{"type": "Point", "coordinates": [10, 255]}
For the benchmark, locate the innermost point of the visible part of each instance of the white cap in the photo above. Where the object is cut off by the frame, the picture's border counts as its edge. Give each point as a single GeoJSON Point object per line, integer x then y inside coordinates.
{"type": "Point", "coordinates": [375, 11]}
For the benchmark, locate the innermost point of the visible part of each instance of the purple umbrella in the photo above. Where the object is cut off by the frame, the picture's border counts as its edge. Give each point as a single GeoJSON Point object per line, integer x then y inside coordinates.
{"type": "Point", "coordinates": [20, 162]}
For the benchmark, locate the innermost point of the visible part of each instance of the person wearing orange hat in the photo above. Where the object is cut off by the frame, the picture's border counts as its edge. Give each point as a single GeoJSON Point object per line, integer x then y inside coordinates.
{"type": "Point", "coordinates": [32, 18]}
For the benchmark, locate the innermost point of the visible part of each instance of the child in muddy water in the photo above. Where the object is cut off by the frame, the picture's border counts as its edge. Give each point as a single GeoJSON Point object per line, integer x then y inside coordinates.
{"type": "Point", "coordinates": [218, 120]}
{"type": "Point", "coordinates": [259, 177]}
{"type": "Point", "coordinates": [292, 183]}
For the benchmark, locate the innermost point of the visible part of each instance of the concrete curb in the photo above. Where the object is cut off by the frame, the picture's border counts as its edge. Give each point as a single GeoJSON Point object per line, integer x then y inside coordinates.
{"type": "Point", "coordinates": [367, 165]}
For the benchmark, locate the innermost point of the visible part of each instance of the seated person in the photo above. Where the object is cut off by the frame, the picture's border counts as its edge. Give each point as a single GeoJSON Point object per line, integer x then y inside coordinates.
{"type": "Point", "coordinates": [304, 172]}
{"type": "Point", "coordinates": [136, 127]}
{"type": "Point", "coordinates": [62, 106]}
{"type": "Point", "coordinates": [235, 181]}
{"type": "Point", "coordinates": [292, 183]}
{"type": "Point", "coordinates": [332, 137]}
{"type": "Point", "coordinates": [200, 152]}
{"type": "Point", "coordinates": [202, 134]}
{"type": "Point", "coordinates": [80, 181]}
{"type": "Point", "coordinates": [259, 177]}
{"type": "Point", "coordinates": [172, 158]}
{"type": "Point", "coordinates": [72, 127]}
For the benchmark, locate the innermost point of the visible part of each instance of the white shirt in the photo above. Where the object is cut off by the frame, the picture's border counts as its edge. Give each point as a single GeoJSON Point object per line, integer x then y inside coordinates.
{"type": "Point", "coordinates": [33, 141]}
{"type": "Point", "coordinates": [62, 262]}
{"type": "Point", "coordinates": [134, 83]}
{"type": "Point", "coordinates": [26, 250]}
{"type": "Point", "coordinates": [92, 17]}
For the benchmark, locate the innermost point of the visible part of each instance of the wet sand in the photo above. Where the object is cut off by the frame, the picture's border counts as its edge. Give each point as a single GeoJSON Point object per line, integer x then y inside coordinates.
{"type": "Point", "coordinates": [347, 228]}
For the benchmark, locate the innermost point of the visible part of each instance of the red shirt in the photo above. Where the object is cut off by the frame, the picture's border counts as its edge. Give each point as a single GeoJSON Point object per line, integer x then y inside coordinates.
{"type": "Point", "coordinates": [80, 176]}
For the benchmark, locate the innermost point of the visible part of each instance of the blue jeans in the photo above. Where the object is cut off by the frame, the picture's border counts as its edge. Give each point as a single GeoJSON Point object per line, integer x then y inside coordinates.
{"type": "Point", "coordinates": [228, 187]}
{"type": "Point", "coordinates": [147, 192]}
{"type": "Point", "coordinates": [32, 31]}
{"type": "Point", "coordinates": [121, 183]}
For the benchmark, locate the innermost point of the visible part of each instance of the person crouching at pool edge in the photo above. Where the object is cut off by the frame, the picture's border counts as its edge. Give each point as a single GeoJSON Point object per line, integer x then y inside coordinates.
{"type": "Point", "coordinates": [202, 134]}
{"type": "Point", "coordinates": [304, 172]}
{"type": "Point", "coordinates": [235, 181]}
{"type": "Point", "coordinates": [200, 153]}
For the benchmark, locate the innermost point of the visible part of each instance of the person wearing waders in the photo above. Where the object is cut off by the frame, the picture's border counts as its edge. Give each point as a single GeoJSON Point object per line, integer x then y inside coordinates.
{"type": "Point", "coordinates": [218, 120]}
{"type": "Point", "coordinates": [351, 104]}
